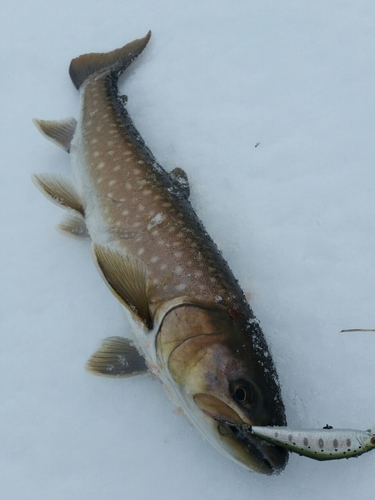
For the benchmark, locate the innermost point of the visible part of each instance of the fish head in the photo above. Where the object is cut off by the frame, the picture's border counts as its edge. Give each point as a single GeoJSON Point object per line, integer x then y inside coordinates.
{"type": "Point", "coordinates": [224, 378]}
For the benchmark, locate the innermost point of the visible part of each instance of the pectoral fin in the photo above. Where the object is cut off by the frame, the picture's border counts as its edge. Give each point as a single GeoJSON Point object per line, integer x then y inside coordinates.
{"type": "Point", "coordinates": [59, 190]}
{"type": "Point", "coordinates": [116, 357]}
{"type": "Point", "coordinates": [59, 132]}
{"type": "Point", "coordinates": [126, 278]}
{"type": "Point", "coordinates": [73, 226]}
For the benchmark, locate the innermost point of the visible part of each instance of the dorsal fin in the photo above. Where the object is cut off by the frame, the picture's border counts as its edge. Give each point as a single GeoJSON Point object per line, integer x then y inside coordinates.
{"type": "Point", "coordinates": [126, 278]}
{"type": "Point", "coordinates": [116, 357]}
{"type": "Point", "coordinates": [180, 176]}
{"type": "Point", "coordinates": [60, 132]}
{"type": "Point", "coordinates": [115, 61]}
{"type": "Point", "coordinates": [59, 190]}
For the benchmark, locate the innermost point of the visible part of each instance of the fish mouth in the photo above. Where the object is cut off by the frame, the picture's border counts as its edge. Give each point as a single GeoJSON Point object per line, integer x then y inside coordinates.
{"type": "Point", "coordinates": [251, 451]}
{"type": "Point", "coordinates": [271, 459]}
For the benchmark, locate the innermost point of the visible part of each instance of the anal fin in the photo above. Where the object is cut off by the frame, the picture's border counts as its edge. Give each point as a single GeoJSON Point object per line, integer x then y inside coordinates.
{"type": "Point", "coordinates": [73, 225]}
{"type": "Point", "coordinates": [126, 278]}
{"type": "Point", "coordinates": [59, 190]}
{"type": "Point", "coordinates": [59, 132]}
{"type": "Point", "coordinates": [116, 357]}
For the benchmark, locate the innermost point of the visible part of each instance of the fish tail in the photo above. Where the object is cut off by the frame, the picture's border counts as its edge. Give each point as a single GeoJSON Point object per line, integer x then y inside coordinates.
{"type": "Point", "coordinates": [111, 62]}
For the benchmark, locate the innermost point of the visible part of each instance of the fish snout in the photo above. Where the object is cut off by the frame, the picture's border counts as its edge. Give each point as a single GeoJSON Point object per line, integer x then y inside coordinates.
{"type": "Point", "coordinates": [233, 435]}
{"type": "Point", "coordinates": [271, 459]}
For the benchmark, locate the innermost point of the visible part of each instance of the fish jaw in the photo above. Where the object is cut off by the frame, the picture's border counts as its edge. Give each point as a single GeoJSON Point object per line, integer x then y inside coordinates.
{"type": "Point", "coordinates": [215, 376]}
{"type": "Point", "coordinates": [241, 446]}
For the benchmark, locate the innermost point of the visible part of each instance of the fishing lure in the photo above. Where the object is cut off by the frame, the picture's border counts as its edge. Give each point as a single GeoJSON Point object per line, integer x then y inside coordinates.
{"type": "Point", "coordinates": [325, 444]}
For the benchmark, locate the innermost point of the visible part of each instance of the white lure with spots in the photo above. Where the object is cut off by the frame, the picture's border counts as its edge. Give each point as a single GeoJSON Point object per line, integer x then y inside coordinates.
{"type": "Point", "coordinates": [325, 444]}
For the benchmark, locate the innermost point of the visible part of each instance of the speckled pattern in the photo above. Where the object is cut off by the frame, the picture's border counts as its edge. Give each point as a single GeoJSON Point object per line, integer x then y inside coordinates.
{"type": "Point", "coordinates": [144, 211]}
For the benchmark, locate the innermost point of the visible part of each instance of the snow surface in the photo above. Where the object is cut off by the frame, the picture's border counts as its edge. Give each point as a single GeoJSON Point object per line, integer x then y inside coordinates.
{"type": "Point", "coordinates": [293, 216]}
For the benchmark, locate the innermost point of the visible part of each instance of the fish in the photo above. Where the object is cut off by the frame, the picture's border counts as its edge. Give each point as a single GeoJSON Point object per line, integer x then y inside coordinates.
{"type": "Point", "coordinates": [326, 444]}
{"type": "Point", "coordinates": [193, 327]}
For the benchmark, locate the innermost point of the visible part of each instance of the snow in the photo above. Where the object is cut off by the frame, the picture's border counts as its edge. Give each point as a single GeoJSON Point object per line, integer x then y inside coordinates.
{"type": "Point", "coordinates": [293, 216]}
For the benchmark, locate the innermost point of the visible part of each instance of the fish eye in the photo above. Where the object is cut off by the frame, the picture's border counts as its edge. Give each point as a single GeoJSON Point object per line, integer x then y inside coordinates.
{"type": "Point", "coordinates": [240, 394]}
{"type": "Point", "coordinates": [243, 392]}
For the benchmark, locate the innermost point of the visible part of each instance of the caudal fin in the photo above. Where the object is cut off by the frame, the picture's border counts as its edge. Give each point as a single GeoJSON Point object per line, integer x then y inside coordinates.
{"type": "Point", "coordinates": [116, 61]}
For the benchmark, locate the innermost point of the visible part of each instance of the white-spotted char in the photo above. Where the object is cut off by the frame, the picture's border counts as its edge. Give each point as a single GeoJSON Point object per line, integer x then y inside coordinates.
{"type": "Point", "coordinates": [196, 330]}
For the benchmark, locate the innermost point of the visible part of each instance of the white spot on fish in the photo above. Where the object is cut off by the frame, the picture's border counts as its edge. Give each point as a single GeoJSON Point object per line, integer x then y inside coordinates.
{"type": "Point", "coordinates": [155, 281]}
{"type": "Point", "coordinates": [128, 186]}
{"type": "Point", "coordinates": [110, 143]}
{"type": "Point", "coordinates": [94, 141]}
{"type": "Point", "coordinates": [154, 259]}
{"type": "Point", "coordinates": [136, 224]}
{"type": "Point", "coordinates": [116, 168]}
{"type": "Point", "coordinates": [136, 171]}
{"type": "Point", "coordinates": [198, 274]}
{"type": "Point", "coordinates": [101, 165]}
{"type": "Point", "coordinates": [141, 207]}
{"type": "Point", "coordinates": [99, 180]}
{"type": "Point", "coordinates": [140, 162]}
{"type": "Point", "coordinates": [177, 254]}
{"type": "Point", "coordinates": [125, 212]}
{"type": "Point", "coordinates": [181, 287]}
{"type": "Point", "coordinates": [126, 153]}
{"type": "Point", "coordinates": [99, 129]}
{"type": "Point", "coordinates": [163, 267]}
{"type": "Point", "coordinates": [111, 183]}
{"type": "Point", "coordinates": [111, 152]}
{"type": "Point", "coordinates": [154, 222]}
{"type": "Point", "coordinates": [140, 251]}
{"type": "Point", "coordinates": [96, 154]}
{"type": "Point", "coordinates": [178, 270]}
